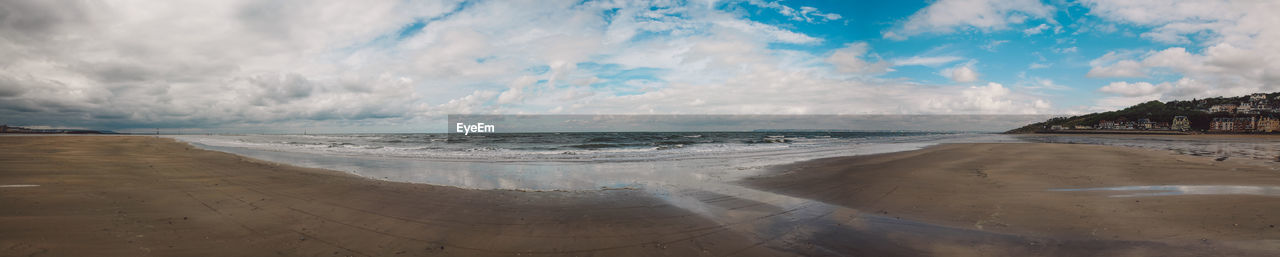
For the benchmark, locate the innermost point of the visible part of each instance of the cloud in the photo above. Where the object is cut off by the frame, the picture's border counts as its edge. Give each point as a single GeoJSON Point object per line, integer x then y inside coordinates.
{"type": "Point", "coordinates": [774, 33]}
{"type": "Point", "coordinates": [946, 16]}
{"type": "Point", "coordinates": [961, 74]}
{"type": "Point", "coordinates": [926, 60]}
{"type": "Point", "coordinates": [1119, 69]}
{"type": "Point", "coordinates": [1129, 93]}
{"type": "Point", "coordinates": [1035, 30]}
{"type": "Point", "coordinates": [390, 65]}
{"type": "Point", "coordinates": [1066, 50]}
{"type": "Point", "coordinates": [805, 14]}
{"type": "Point", "coordinates": [1130, 89]}
{"type": "Point", "coordinates": [850, 60]}
{"type": "Point", "coordinates": [991, 46]}
{"type": "Point", "coordinates": [1116, 65]}
{"type": "Point", "coordinates": [1231, 46]}
{"type": "Point", "coordinates": [1043, 83]}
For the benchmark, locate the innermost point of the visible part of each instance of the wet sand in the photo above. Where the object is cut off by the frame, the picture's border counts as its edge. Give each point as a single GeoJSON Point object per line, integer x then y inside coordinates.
{"type": "Point", "coordinates": [1006, 188]}
{"type": "Point", "coordinates": [141, 196]}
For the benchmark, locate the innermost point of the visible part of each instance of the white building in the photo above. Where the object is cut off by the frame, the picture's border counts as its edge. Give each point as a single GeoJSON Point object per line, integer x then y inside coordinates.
{"type": "Point", "coordinates": [1257, 97]}
{"type": "Point", "coordinates": [1246, 108]}
{"type": "Point", "coordinates": [1227, 108]}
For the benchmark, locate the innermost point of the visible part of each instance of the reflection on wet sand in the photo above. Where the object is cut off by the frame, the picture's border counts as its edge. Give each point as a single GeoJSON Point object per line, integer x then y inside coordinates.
{"type": "Point", "coordinates": [707, 189]}
{"type": "Point", "coordinates": [814, 228]}
{"type": "Point", "coordinates": [1168, 190]}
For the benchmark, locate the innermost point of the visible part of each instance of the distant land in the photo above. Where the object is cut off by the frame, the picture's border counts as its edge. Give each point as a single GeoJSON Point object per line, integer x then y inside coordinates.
{"type": "Point", "coordinates": [6, 129]}
{"type": "Point", "coordinates": [1250, 114]}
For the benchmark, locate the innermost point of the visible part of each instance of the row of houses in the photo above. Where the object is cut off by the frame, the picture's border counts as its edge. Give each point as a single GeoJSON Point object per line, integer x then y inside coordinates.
{"type": "Point", "coordinates": [1179, 123]}
{"type": "Point", "coordinates": [1257, 104]}
{"type": "Point", "coordinates": [1245, 124]}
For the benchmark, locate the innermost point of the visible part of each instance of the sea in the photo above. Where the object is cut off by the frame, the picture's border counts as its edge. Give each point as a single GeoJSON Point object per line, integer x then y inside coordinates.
{"type": "Point", "coordinates": [570, 161]}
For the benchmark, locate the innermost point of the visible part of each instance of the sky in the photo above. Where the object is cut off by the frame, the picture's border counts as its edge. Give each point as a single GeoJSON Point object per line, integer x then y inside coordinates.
{"type": "Point", "coordinates": [402, 65]}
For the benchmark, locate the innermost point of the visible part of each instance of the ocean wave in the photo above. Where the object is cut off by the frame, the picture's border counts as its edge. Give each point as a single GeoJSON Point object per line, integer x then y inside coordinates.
{"type": "Point", "coordinates": [562, 146]}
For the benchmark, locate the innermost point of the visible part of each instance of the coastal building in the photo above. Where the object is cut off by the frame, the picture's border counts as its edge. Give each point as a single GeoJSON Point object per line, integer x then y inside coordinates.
{"type": "Point", "coordinates": [1245, 108]}
{"type": "Point", "coordinates": [1255, 97]}
{"type": "Point", "coordinates": [1083, 127]}
{"type": "Point", "coordinates": [1227, 108]}
{"type": "Point", "coordinates": [1144, 123]}
{"type": "Point", "coordinates": [1106, 124]}
{"type": "Point", "coordinates": [1221, 124]}
{"type": "Point", "coordinates": [1263, 106]}
{"type": "Point", "coordinates": [1233, 124]}
{"type": "Point", "coordinates": [1161, 126]}
{"type": "Point", "coordinates": [1180, 123]}
{"type": "Point", "coordinates": [1118, 125]}
{"type": "Point", "coordinates": [1268, 124]}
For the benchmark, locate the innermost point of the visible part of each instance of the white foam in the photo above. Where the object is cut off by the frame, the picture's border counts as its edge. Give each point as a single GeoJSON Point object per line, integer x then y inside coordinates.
{"type": "Point", "coordinates": [367, 145]}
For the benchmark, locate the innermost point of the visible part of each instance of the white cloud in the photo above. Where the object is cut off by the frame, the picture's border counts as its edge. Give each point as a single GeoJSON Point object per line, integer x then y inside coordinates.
{"type": "Point", "coordinates": [962, 74]}
{"type": "Point", "coordinates": [1236, 45]}
{"type": "Point", "coordinates": [767, 31]}
{"type": "Point", "coordinates": [805, 14]}
{"type": "Point", "coordinates": [1129, 93]}
{"type": "Point", "coordinates": [926, 60]}
{"type": "Point", "coordinates": [850, 60]}
{"type": "Point", "coordinates": [1119, 69]}
{"type": "Point", "coordinates": [946, 16]}
{"type": "Point", "coordinates": [808, 13]}
{"type": "Point", "coordinates": [394, 65]}
{"type": "Point", "coordinates": [993, 44]}
{"type": "Point", "coordinates": [1035, 30]}
{"type": "Point", "coordinates": [1043, 83]}
{"type": "Point", "coordinates": [1116, 65]}
{"type": "Point", "coordinates": [1130, 89]}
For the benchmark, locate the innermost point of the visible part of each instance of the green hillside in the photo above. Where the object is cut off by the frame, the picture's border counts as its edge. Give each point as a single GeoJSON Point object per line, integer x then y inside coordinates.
{"type": "Point", "coordinates": [1156, 111]}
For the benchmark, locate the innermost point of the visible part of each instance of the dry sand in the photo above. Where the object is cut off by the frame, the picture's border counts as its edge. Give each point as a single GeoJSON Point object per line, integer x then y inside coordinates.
{"type": "Point", "coordinates": [146, 196]}
{"type": "Point", "coordinates": [139, 196]}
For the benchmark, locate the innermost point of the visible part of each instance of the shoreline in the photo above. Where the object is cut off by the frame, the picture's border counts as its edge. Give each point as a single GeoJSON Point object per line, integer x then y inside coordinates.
{"type": "Point", "coordinates": [139, 195]}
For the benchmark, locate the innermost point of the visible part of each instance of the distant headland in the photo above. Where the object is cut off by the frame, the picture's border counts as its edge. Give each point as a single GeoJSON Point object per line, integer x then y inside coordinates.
{"type": "Point", "coordinates": [1252, 114]}
{"type": "Point", "coordinates": [6, 129]}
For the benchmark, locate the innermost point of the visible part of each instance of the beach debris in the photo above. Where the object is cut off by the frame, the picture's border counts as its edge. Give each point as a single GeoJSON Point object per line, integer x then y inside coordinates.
{"type": "Point", "coordinates": [1220, 158]}
{"type": "Point", "coordinates": [980, 173]}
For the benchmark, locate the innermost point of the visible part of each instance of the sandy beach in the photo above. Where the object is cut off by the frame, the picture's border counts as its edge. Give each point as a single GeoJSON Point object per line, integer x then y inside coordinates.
{"type": "Point", "coordinates": [147, 196]}
{"type": "Point", "coordinates": [1008, 188]}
